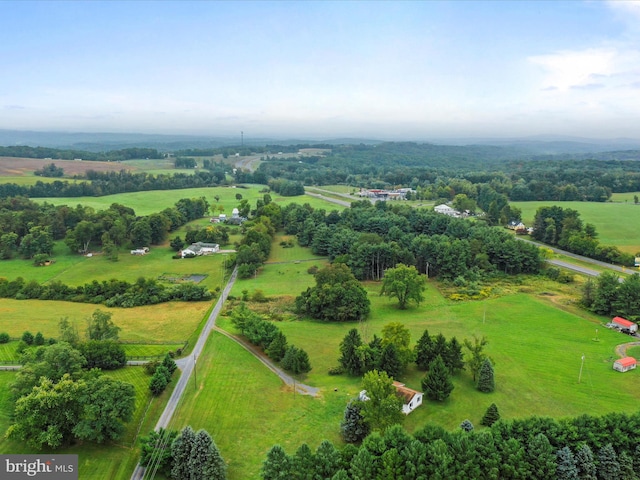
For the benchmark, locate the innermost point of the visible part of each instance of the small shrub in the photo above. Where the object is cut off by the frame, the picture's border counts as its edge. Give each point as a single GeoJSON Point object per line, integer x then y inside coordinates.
{"type": "Point", "coordinates": [312, 269]}
{"type": "Point", "coordinates": [259, 297]}
{"type": "Point", "coordinates": [466, 425]}
{"type": "Point", "coordinates": [27, 337]}
{"type": "Point", "coordinates": [4, 337]}
{"type": "Point", "coordinates": [339, 370]}
{"type": "Point", "coordinates": [150, 367]}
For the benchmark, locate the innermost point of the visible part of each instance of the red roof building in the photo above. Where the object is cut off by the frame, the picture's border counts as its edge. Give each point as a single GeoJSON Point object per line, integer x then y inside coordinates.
{"type": "Point", "coordinates": [625, 364]}
{"type": "Point", "coordinates": [624, 323]}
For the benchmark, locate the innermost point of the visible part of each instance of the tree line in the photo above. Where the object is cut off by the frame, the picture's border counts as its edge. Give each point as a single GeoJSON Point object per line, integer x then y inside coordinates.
{"type": "Point", "coordinates": [23, 151]}
{"type": "Point", "coordinates": [584, 447]}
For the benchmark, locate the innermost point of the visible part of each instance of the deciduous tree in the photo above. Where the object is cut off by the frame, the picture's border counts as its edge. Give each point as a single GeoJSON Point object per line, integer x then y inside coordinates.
{"type": "Point", "coordinates": [384, 407]}
{"type": "Point", "coordinates": [404, 283]}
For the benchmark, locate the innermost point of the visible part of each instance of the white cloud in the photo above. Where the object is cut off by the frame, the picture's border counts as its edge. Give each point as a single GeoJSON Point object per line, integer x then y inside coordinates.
{"type": "Point", "coordinates": [569, 69]}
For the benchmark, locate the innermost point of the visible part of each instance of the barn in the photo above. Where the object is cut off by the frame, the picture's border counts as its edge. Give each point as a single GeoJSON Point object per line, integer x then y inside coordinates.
{"type": "Point", "coordinates": [623, 323]}
{"type": "Point", "coordinates": [625, 364]}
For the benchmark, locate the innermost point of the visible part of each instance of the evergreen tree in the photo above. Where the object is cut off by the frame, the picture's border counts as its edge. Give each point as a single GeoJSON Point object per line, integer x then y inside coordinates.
{"type": "Point", "coordinates": [436, 384]}
{"type": "Point", "coordinates": [169, 364]}
{"type": "Point", "coordinates": [476, 354]}
{"type": "Point", "coordinates": [277, 465]}
{"type": "Point", "coordinates": [353, 427]}
{"type": "Point", "coordinates": [350, 354]}
{"type": "Point", "coordinates": [303, 463]}
{"type": "Point", "coordinates": [363, 465]}
{"type": "Point", "coordinates": [491, 416]}
{"type": "Point", "coordinates": [486, 381]}
{"type": "Point", "coordinates": [296, 360]}
{"type": "Point", "coordinates": [38, 339]}
{"type": "Point", "coordinates": [424, 351]}
{"type": "Point", "coordinates": [205, 462]}
{"type": "Point", "coordinates": [156, 451]}
{"type": "Point", "coordinates": [608, 464]}
{"type": "Point", "coordinates": [392, 465]}
{"type": "Point", "coordinates": [181, 453]}
{"type": "Point", "coordinates": [341, 475]}
{"type": "Point", "coordinates": [567, 469]}
{"type": "Point", "coordinates": [327, 460]}
{"type": "Point", "coordinates": [626, 466]}
{"type": "Point", "coordinates": [390, 361]}
{"type": "Point", "coordinates": [158, 381]}
{"type": "Point", "coordinates": [585, 463]}
{"type": "Point", "coordinates": [278, 347]}
{"type": "Point", "coordinates": [541, 457]}
{"type": "Point", "coordinates": [453, 358]}
{"type": "Point", "coordinates": [466, 425]}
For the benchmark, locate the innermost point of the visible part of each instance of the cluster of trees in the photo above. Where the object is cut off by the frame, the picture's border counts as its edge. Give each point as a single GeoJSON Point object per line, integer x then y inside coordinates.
{"type": "Point", "coordinates": [584, 447]}
{"type": "Point", "coordinates": [286, 188]}
{"type": "Point", "coordinates": [61, 394]}
{"type": "Point", "coordinates": [268, 336]}
{"type": "Point", "coordinates": [606, 295]}
{"type": "Point", "coordinates": [336, 297]}
{"type": "Point", "coordinates": [186, 162]}
{"type": "Point", "coordinates": [255, 246]}
{"type": "Point", "coordinates": [162, 373]}
{"type": "Point", "coordinates": [183, 455]}
{"type": "Point", "coordinates": [563, 227]}
{"type": "Point", "coordinates": [373, 238]}
{"type": "Point", "coordinates": [112, 293]}
{"type": "Point", "coordinates": [49, 171]}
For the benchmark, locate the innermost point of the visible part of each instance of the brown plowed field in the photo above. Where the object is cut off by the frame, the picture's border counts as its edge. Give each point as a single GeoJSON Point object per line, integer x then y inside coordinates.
{"type": "Point", "coordinates": [12, 167]}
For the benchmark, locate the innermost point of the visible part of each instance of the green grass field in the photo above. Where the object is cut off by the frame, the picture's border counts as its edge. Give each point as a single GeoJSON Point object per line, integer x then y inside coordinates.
{"type": "Point", "coordinates": [614, 222]}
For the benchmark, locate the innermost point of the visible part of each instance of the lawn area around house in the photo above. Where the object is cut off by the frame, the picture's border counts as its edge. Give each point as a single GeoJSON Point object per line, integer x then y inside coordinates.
{"type": "Point", "coordinates": [614, 222]}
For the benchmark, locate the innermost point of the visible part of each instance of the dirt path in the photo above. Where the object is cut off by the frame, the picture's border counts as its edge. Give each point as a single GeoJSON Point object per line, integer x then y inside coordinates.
{"type": "Point", "coordinates": [621, 350]}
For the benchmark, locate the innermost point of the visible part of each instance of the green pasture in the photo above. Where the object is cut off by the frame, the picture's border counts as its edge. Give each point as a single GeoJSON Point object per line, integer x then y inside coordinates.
{"type": "Point", "coordinates": [113, 460]}
{"type": "Point", "coordinates": [8, 353]}
{"type": "Point", "coordinates": [626, 197]}
{"type": "Point", "coordinates": [172, 322]}
{"type": "Point", "coordinates": [616, 223]}
{"type": "Point", "coordinates": [536, 340]}
{"type": "Point", "coordinates": [32, 179]}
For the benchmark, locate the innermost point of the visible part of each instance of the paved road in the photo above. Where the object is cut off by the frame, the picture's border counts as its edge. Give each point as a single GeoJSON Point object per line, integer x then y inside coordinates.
{"type": "Point", "coordinates": [186, 365]}
{"type": "Point", "coordinates": [329, 199]}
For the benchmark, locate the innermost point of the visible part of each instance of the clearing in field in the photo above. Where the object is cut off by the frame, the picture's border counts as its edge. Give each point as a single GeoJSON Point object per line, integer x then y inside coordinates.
{"type": "Point", "coordinates": [10, 166]}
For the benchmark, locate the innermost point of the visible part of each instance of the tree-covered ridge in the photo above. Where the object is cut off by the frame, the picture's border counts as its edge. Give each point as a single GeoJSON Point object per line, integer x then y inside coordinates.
{"type": "Point", "coordinates": [535, 447]}
{"type": "Point", "coordinates": [23, 151]}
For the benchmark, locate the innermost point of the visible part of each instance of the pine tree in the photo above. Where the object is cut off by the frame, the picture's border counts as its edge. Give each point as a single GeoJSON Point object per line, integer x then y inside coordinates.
{"type": "Point", "coordinates": [363, 465]}
{"type": "Point", "coordinates": [349, 353]}
{"type": "Point", "coordinates": [327, 460]}
{"type": "Point", "coordinates": [626, 466]}
{"type": "Point", "coordinates": [341, 475]}
{"type": "Point", "coordinates": [608, 464]}
{"type": "Point", "coordinates": [169, 364]}
{"type": "Point", "coordinates": [277, 465]}
{"type": "Point", "coordinates": [491, 416]}
{"type": "Point", "coordinates": [567, 469]}
{"type": "Point", "coordinates": [585, 463]}
{"type": "Point", "coordinates": [486, 381]}
{"type": "Point", "coordinates": [424, 351]}
{"type": "Point", "coordinates": [205, 461]}
{"type": "Point", "coordinates": [181, 452]}
{"type": "Point", "coordinates": [466, 425]}
{"type": "Point", "coordinates": [158, 382]}
{"type": "Point", "coordinates": [296, 360]}
{"type": "Point", "coordinates": [303, 463]}
{"type": "Point", "coordinates": [454, 359]}
{"type": "Point", "coordinates": [390, 361]}
{"type": "Point", "coordinates": [353, 428]}
{"type": "Point", "coordinates": [436, 384]}
{"type": "Point", "coordinates": [278, 347]}
{"type": "Point", "coordinates": [542, 459]}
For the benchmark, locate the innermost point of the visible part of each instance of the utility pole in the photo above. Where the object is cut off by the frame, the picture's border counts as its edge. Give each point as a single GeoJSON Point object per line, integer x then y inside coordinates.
{"type": "Point", "coordinates": [242, 139]}
{"type": "Point", "coordinates": [195, 374]}
{"type": "Point", "coordinates": [581, 365]}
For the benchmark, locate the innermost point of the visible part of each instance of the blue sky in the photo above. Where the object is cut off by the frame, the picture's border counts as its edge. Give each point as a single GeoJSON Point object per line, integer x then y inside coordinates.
{"type": "Point", "coordinates": [389, 70]}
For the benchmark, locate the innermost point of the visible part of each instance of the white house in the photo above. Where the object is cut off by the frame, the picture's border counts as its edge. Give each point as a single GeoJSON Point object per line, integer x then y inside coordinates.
{"type": "Point", "coordinates": [235, 213]}
{"type": "Point", "coordinates": [200, 248]}
{"type": "Point", "coordinates": [625, 364]}
{"type": "Point", "coordinates": [140, 251]}
{"type": "Point", "coordinates": [411, 399]}
{"type": "Point", "coordinates": [446, 210]}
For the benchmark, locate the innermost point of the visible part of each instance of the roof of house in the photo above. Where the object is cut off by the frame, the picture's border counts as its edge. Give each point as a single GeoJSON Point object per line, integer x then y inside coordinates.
{"type": "Point", "coordinates": [626, 361]}
{"type": "Point", "coordinates": [405, 392]}
{"type": "Point", "coordinates": [623, 321]}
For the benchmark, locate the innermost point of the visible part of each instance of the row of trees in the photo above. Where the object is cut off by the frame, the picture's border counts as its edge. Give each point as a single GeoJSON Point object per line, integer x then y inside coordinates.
{"type": "Point", "coordinates": [585, 447]}
{"type": "Point", "coordinates": [112, 293]}
{"type": "Point", "coordinates": [23, 151]}
{"type": "Point", "coordinates": [268, 336]}
{"type": "Point", "coordinates": [162, 374]}
{"type": "Point", "coordinates": [563, 227]}
{"type": "Point", "coordinates": [606, 295]}
{"type": "Point", "coordinates": [255, 246]}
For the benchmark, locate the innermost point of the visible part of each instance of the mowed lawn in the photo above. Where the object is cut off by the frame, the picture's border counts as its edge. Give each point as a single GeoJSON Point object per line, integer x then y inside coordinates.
{"type": "Point", "coordinates": [537, 349]}
{"type": "Point", "coordinates": [616, 223]}
{"type": "Point", "coordinates": [113, 460]}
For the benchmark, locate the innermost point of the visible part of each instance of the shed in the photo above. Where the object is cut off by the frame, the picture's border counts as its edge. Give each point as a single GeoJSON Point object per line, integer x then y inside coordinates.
{"type": "Point", "coordinates": [625, 324]}
{"type": "Point", "coordinates": [625, 364]}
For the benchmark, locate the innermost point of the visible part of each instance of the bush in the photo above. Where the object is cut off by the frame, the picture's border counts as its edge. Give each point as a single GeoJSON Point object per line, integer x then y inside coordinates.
{"type": "Point", "coordinates": [4, 337]}
{"type": "Point", "coordinates": [27, 337]}
{"type": "Point", "coordinates": [339, 370]}
{"type": "Point", "coordinates": [150, 367]}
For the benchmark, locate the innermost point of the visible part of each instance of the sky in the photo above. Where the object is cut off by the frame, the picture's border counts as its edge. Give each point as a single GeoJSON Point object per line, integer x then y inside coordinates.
{"type": "Point", "coordinates": [412, 70]}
